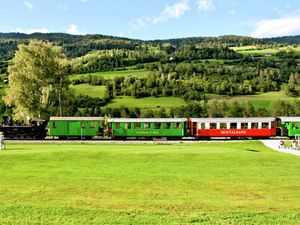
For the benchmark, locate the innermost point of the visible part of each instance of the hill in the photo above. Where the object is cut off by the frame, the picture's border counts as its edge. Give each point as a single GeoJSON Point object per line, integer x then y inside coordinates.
{"type": "Point", "coordinates": [291, 40]}
{"type": "Point", "coordinates": [117, 75]}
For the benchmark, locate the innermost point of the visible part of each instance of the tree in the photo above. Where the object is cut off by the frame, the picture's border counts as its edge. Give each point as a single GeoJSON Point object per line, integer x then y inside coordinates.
{"type": "Point", "coordinates": [38, 86]}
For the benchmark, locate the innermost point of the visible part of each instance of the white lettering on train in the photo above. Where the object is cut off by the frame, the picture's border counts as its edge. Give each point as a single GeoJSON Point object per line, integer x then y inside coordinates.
{"type": "Point", "coordinates": [233, 132]}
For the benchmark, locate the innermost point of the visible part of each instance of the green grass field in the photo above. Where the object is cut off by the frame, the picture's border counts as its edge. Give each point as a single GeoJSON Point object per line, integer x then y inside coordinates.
{"type": "Point", "coordinates": [113, 74]}
{"type": "Point", "coordinates": [148, 102]}
{"type": "Point", "coordinates": [90, 90]}
{"type": "Point", "coordinates": [260, 100]}
{"type": "Point", "coordinates": [254, 51]}
{"type": "Point", "coordinates": [205, 183]}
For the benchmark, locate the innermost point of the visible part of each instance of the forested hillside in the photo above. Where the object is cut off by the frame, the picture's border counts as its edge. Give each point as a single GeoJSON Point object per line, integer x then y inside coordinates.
{"type": "Point", "coordinates": [205, 72]}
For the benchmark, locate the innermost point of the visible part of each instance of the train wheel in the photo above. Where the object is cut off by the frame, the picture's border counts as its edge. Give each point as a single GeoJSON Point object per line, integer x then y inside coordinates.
{"type": "Point", "coordinates": [24, 136]}
{"type": "Point", "coordinates": [62, 137]}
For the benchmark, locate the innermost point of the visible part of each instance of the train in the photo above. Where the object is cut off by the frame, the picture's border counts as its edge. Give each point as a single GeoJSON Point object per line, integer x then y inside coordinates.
{"type": "Point", "coordinates": [87, 128]}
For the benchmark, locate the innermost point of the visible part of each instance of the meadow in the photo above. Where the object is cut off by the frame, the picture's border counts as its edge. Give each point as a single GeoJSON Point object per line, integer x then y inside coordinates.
{"type": "Point", "coordinates": [90, 90]}
{"type": "Point", "coordinates": [205, 183]}
{"type": "Point", "coordinates": [254, 50]}
{"type": "Point", "coordinates": [259, 100]}
{"type": "Point", "coordinates": [147, 102]}
{"type": "Point", "coordinates": [114, 74]}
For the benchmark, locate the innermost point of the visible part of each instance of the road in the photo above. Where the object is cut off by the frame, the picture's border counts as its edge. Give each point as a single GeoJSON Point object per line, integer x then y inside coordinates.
{"type": "Point", "coordinates": [274, 144]}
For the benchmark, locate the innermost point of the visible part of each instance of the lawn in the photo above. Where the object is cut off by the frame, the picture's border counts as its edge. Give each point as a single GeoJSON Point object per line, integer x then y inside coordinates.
{"type": "Point", "coordinates": [205, 183]}
{"type": "Point", "coordinates": [259, 100]}
{"type": "Point", "coordinates": [113, 74]}
{"type": "Point", "coordinates": [90, 90]}
{"type": "Point", "coordinates": [148, 102]}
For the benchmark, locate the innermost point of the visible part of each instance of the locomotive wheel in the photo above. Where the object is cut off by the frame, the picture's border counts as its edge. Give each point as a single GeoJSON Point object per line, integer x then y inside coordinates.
{"type": "Point", "coordinates": [24, 136]}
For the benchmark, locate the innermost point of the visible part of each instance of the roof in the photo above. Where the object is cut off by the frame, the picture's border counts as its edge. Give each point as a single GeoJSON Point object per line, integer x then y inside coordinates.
{"type": "Point", "coordinates": [290, 119]}
{"type": "Point", "coordinates": [146, 120]}
{"type": "Point", "coordinates": [234, 120]}
{"type": "Point", "coordinates": [55, 118]}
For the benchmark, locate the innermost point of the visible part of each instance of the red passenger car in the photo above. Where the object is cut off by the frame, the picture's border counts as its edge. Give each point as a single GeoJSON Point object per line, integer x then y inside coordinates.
{"type": "Point", "coordinates": [233, 127]}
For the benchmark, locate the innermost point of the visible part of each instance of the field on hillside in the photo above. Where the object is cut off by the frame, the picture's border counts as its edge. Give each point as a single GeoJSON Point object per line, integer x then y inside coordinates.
{"type": "Point", "coordinates": [147, 102]}
{"type": "Point", "coordinates": [205, 183]}
{"type": "Point", "coordinates": [90, 90]}
{"type": "Point", "coordinates": [259, 100]}
{"type": "Point", "coordinates": [113, 74]}
{"type": "Point", "coordinates": [254, 50]}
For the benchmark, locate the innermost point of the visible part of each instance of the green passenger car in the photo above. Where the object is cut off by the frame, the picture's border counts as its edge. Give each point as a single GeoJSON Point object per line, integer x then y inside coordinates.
{"type": "Point", "coordinates": [290, 126]}
{"type": "Point", "coordinates": [148, 127]}
{"type": "Point", "coordinates": [79, 127]}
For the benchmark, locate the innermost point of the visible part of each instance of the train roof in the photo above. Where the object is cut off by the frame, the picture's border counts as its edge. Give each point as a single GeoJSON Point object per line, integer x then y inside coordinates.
{"type": "Point", "coordinates": [234, 120]}
{"type": "Point", "coordinates": [290, 119]}
{"type": "Point", "coordinates": [74, 118]}
{"type": "Point", "coordinates": [146, 120]}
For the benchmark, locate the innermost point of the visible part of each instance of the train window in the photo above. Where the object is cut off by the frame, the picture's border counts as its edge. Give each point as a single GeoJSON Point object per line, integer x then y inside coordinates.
{"type": "Point", "coordinates": [92, 124]}
{"type": "Point", "coordinates": [265, 125]}
{"type": "Point", "coordinates": [223, 125]}
{"type": "Point", "coordinates": [118, 126]}
{"type": "Point", "coordinates": [127, 126]}
{"type": "Point", "coordinates": [55, 124]}
{"type": "Point", "coordinates": [213, 126]}
{"type": "Point", "coordinates": [157, 125]}
{"type": "Point", "coordinates": [168, 125]}
{"type": "Point", "coordinates": [177, 125]}
{"type": "Point", "coordinates": [295, 126]}
{"type": "Point", "coordinates": [233, 125]}
{"type": "Point", "coordinates": [254, 125]}
{"type": "Point", "coordinates": [82, 124]}
{"type": "Point", "coordinates": [202, 125]}
{"type": "Point", "coordinates": [147, 125]}
{"type": "Point", "coordinates": [244, 125]}
{"type": "Point", "coordinates": [137, 125]}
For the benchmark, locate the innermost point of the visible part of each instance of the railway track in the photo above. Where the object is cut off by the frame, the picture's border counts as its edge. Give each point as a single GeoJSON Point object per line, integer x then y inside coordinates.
{"type": "Point", "coordinates": [129, 141]}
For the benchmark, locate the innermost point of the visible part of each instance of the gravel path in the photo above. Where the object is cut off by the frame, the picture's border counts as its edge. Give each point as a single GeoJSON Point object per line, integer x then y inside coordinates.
{"type": "Point", "coordinates": [274, 144]}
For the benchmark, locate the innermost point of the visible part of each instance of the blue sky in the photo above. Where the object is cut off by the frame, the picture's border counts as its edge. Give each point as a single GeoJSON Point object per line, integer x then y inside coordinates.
{"type": "Point", "coordinates": [155, 19]}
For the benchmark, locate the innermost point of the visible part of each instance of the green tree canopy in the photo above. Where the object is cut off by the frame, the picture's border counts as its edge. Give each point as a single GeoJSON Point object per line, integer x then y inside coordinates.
{"type": "Point", "coordinates": [38, 85]}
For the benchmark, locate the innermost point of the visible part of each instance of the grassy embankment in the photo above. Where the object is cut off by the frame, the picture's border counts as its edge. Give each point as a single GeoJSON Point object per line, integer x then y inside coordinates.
{"type": "Point", "coordinates": [205, 183]}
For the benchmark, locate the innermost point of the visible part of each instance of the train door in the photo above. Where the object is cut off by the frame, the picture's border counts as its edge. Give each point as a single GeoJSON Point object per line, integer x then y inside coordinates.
{"type": "Point", "coordinates": [75, 128]}
{"type": "Point", "coordinates": [194, 129]}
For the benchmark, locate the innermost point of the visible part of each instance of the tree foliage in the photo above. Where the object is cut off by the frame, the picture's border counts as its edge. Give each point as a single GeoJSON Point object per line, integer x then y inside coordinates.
{"type": "Point", "coordinates": [37, 78]}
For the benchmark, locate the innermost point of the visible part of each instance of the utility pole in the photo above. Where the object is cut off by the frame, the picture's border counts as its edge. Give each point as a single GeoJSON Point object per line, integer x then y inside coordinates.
{"type": "Point", "coordinates": [59, 96]}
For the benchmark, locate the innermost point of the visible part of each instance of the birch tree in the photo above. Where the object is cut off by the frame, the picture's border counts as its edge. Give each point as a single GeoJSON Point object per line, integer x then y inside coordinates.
{"type": "Point", "coordinates": [38, 86]}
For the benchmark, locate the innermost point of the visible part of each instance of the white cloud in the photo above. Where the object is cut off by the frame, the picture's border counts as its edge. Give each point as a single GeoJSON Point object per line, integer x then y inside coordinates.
{"type": "Point", "coordinates": [30, 31]}
{"type": "Point", "coordinates": [285, 25]}
{"type": "Point", "coordinates": [174, 11]}
{"type": "Point", "coordinates": [205, 5]}
{"type": "Point", "coordinates": [73, 29]}
{"type": "Point", "coordinates": [28, 5]}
